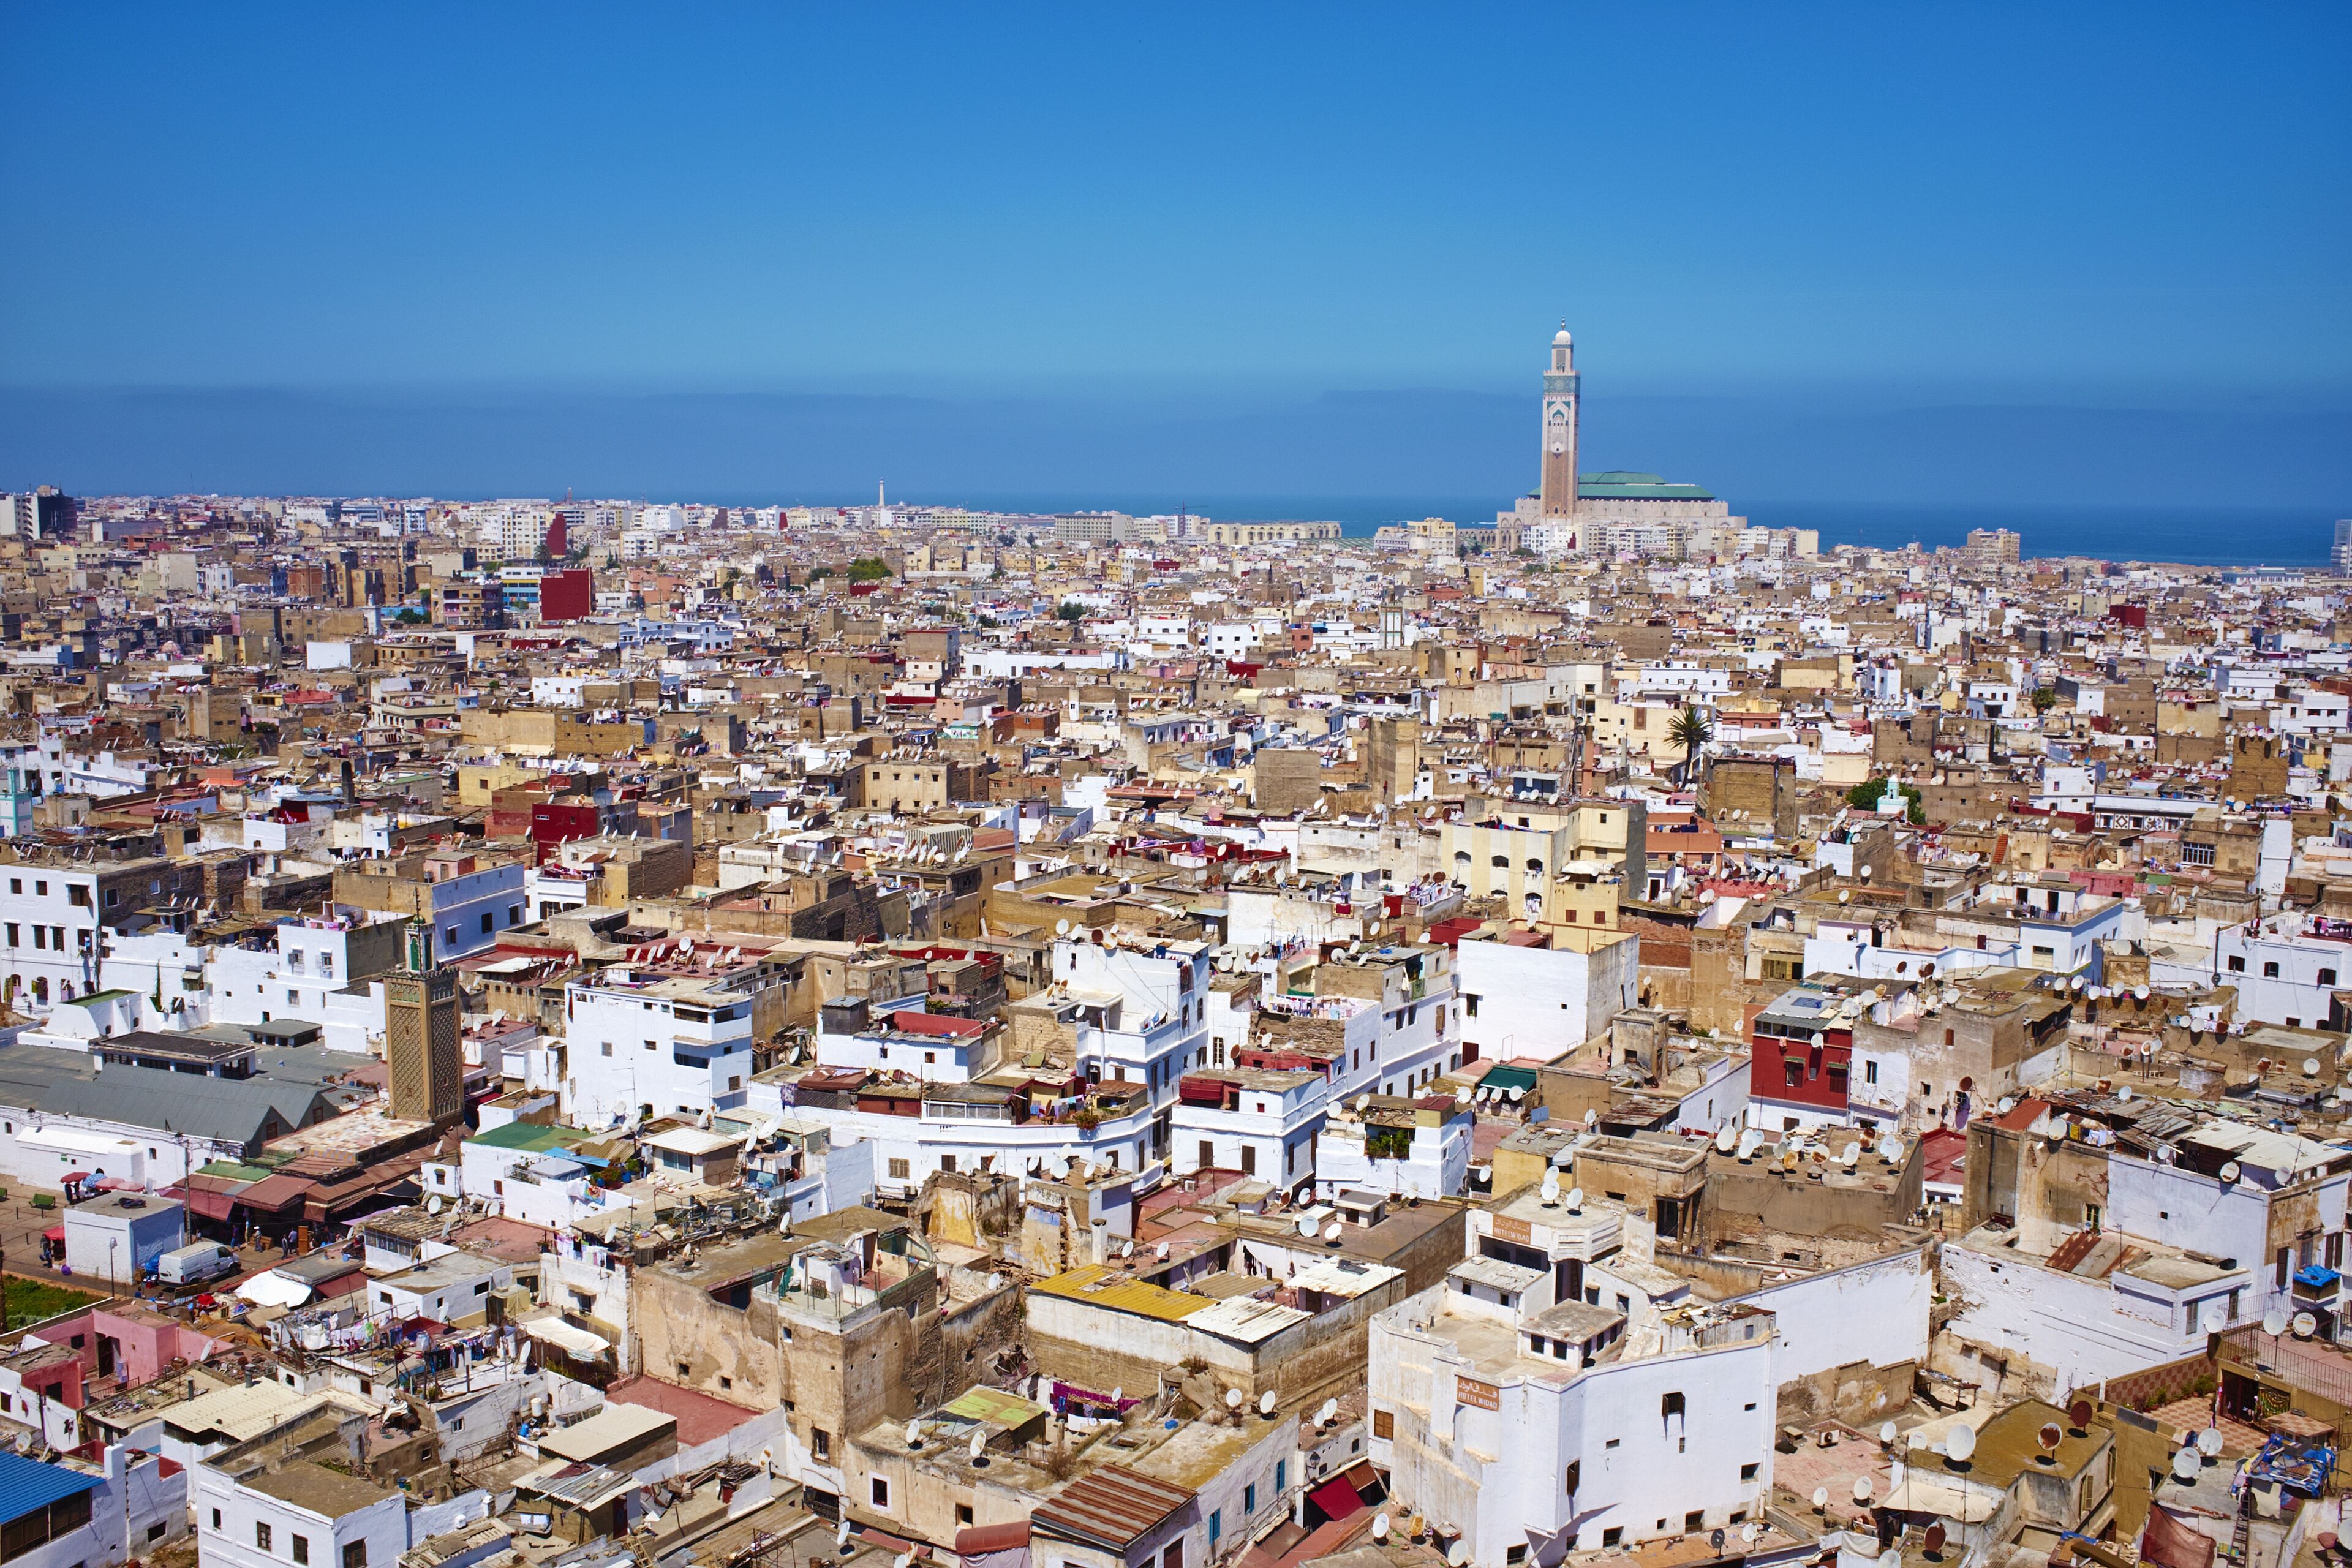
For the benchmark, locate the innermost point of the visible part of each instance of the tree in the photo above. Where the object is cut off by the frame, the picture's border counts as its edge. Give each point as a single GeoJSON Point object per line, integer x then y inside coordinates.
{"type": "Point", "coordinates": [1690, 730]}
{"type": "Point", "coordinates": [868, 569]}
{"type": "Point", "coordinates": [1865, 796]}
{"type": "Point", "coordinates": [1071, 611]}
{"type": "Point", "coordinates": [2045, 699]}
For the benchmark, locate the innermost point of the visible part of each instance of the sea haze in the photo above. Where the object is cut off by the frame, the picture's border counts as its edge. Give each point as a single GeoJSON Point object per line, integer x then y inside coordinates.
{"type": "Point", "coordinates": [2242, 481]}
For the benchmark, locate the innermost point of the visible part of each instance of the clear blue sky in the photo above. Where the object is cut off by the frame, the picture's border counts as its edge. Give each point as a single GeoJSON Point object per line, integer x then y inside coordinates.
{"type": "Point", "coordinates": [2109, 205]}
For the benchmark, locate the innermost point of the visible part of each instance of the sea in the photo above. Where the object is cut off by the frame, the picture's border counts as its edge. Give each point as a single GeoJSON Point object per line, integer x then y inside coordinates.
{"type": "Point", "coordinates": [2219, 535]}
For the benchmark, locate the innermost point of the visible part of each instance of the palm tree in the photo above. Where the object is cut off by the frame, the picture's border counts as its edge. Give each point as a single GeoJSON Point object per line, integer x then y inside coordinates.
{"type": "Point", "coordinates": [1690, 730]}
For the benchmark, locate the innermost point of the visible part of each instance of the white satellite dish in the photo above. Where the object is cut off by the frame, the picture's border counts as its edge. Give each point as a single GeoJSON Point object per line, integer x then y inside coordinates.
{"type": "Point", "coordinates": [1727, 1139]}
{"type": "Point", "coordinates": [1890, 1149]}
{"type": "Point", "coordinates": [1232, 1399]}
{"type": "Point", "coordinates": [1306, 1226]}
{"type": "Point", "coordinates": [1327, 1413]}
{"type": "Point", "coordinates": [979, 1446]}
{"type": "Point", "coordinates": [1118, 1396]}
{"type": "Point", "coordinates": [1960, 1441]}
{"type": "Point", "coordinates": [841, 1533]}
{"type": "Point", "coordinates": [1266, 1403]}
{"type": "Point", "coordinates": [1061, 928]}
{"type": "Point", "coordinates": [433, 1205]}
{"type": "Point", "coordinates": [1861, 1488]}
{"type": "Point", "coordinates": [1752, 1532]}
{"type": "Point", "coordinates": [1821, 1498]}
{"type": "Point", "coordinates": [1457, 1555]}
{"type": "Point", "coordinates": [2186, 1465]}
{"type": "Point", "coordinates": [2311, 1066]}
{"type": "Point", "coordinates": [1575, 1200]}
{"type": "Point", "coordinates": [1749, 1141]}
{"type": "Point", "coordinates": [904, 1559]}
{"type": "Point", "coordinates": [1551, 1186]}
{"type": "Point", "coordinates": [1379, 1527]}
{"type": "Point", "coordinates": [2140, 992]}
{"type": "Point", "coordinates": [914, 1434]}
{"type": "Point", "coordinates": [2124, 1094]}
{"type": "Point", "coordinates": [1851, 1157]}
{"type": "Point", "coordinates": [2274, 1322]}
{"type": "Point", "coordinates": [2229, 1173]}
{"type": "Point", "coordinates": [2209, 1442]}
{"type": "Point", "coordinates": [1331, 1232]}
{"type": "Point", "coordinates": [2305, 1325]}
{"type": "Point", "coordinates": [1887, 1433]}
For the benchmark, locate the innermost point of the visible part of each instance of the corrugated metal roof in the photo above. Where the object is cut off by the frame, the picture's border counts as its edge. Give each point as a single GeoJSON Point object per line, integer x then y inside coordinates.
{"type": "Point", "coordinates": [1114, 1507]}
{"type": "Point", "coordinates": [27, 1484]}
{"type": "Point", "coordinates": [1100, 1285]}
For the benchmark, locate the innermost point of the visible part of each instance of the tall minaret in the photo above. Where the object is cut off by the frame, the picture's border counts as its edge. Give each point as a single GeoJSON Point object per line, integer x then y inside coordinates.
{"type": "Point", "coordinates": [1560, 429]}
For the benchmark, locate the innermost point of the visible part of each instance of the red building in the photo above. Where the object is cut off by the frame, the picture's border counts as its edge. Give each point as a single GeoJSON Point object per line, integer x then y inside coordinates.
{"type": "Point", "coordinates": [568, 595]}
{"type": "Point", "coordinates": [1801, 1053]}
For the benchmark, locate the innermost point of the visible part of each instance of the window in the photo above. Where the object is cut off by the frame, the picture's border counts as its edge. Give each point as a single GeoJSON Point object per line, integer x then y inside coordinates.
{"type": "Point", "coordinates": [1249, 1159]}
{"type": "Point", "coordinates": [608, 1047]}
{"type": "Point", "coordinates": [820, 1444]}
{"type": "Point", "coordinates": [1174, 1556]}
{"type": "Point", "coordinates": [964, 1513]}
{"type": "Point", "coordinates": [216, 1523]}
{"type": "Point", "coordinates": [356, 1556]}
{"type": "Point", "coordinates": [2270, 970]}
{"type": "Point", "coordinates": [261, 1536]}
{"type": "Point", "coordinates": [1870, 1072]}
{"type": "Point", "coordinates": [881, 1492]}
{"type": "Point", "coordinates": [1613, 1534]}
{"type": "Point", "coordinates": [947, 1163]}
{"type": "Point", "coordinates": [1384, 1424]}
{"type": "Point", "coordinates": [1670, 1404]}
{"type": "Point", "coordinates": [1281, 1474]}
{"type": "Point", "coordinates": [897, 1170]}
{"type": "Point", "coordinates": [2328, 977]}
{"type": "Point", "coordinates": [302, 1549]}
{"type": "Point", "coordinates": [1514, 1555]}
{"type": "Point", "coordinates": [2237, 964]}
{"type": "Point", "coordinates": [1249, 1497]}
{"type": "Point", "coordinates": [1217, 1526]}
{"type": "Point", "coordinates": [485, 922]}
{"type": "Point", "coordinates": [1747, 1472]}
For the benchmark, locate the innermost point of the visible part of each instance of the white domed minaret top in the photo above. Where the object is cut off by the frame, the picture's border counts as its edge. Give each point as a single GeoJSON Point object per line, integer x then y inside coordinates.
{"type": "Point", "coordinates": [1559, 418]}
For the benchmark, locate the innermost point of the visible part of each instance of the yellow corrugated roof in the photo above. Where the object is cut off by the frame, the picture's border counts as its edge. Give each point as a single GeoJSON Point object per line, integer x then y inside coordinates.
{"type": "Point", "coordinates": [980, 1402]}
{"type": "Point", "coordinates": [1103, 1286]}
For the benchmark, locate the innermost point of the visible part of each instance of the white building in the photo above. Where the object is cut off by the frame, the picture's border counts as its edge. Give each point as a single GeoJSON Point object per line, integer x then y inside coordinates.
{"type": "Point", "coordinates": [1545, 1400]}
{"type": "Point", "coordinates": [654, 1044]}
{"type": "Point", "coordinates": [1540, 1002]}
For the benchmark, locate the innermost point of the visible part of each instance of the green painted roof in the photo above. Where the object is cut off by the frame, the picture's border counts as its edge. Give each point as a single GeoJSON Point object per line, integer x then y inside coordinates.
{"type": "Point", "coordinates": [1620, 484]}
{"type": "Point", "coordinates": [529, 1137]}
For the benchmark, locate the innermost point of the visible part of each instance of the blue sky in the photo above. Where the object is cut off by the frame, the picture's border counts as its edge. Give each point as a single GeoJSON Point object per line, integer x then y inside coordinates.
{"type": "Point", "coordinates": [1053, 223]}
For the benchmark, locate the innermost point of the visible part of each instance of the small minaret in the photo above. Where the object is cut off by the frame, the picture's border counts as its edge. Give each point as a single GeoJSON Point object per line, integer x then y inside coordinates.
{"type": "Point", "coordinates": [1559, 400]}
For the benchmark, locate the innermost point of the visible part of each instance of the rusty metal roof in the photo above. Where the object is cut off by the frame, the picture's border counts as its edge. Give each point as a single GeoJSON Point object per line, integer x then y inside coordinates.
{"type": "Point", "coordinates": [1101, 1285]}
{"type": "Point", "coordinates": [1113, 1508]}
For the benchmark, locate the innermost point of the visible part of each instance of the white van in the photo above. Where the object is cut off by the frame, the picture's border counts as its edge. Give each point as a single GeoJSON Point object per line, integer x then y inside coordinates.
{"type": "Point", "coordinates": [194, 1263]}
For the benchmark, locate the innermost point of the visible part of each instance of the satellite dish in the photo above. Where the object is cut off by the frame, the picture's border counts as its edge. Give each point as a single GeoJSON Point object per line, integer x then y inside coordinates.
{"type": "Point", "coordinates": [2140, 992]}
{"type": "Point", "coordinates": [1457, 1555]}
{"type": "Point", "coordinates": [2305, 1325]}
{"type": "Point", "coordinates": [2050, 1436]}
{"type": "Point", "coordinates": [904, 1559]}
{"type": "Point", "coordinates": [2209, 1442]}
{"type": "Point", "coordinates": [978, 1447]}
{"type": "Point", "coordinates": [2124, 1094]}
{"type": "Point", "coordinates": [1306, 1226]}
{"type": "Point", "coordinates": [1887, 1435]}
{"type": "Point", "coordinates": [1852, 1156]}
{"type": "Point", "coordinates": [2186, 1465]}
{"type": "Point", "coordinates": [1379, 1527]}
{"type": "Point", "coordinates": [1328, 1412]}
{"type": "Point", "coordinates": [1551, 1186]}
{"type": "Point", "coordinates": [841, 1533]}
{"type": "Point", "coordinates": [1266, 1403]}
{"type": "Point", "coordinates": [2229, 1173]}
{"type": "Point", "coordinates": [1890, 1149]}
{"type": "Point", "coordinates": [1714, 1539]}
{"type": "Point", "coordinates": [1118, 1396]}
{"type": "Point", "coordinates": [914, 1434]}
{"type": "Point", "coordinates": [1232, 1399]}
{"type": "Point", "coordinates": [1331, 1231]}
{"type": "Point", "coordinates": [1936, 1538]}
{"type": "Point", "coordinates": [1861, 1488]}
{"type": "Point", "coordinates": [433, 1205]}
{"type": "Point", "coordinates": [2079, 1414]}
{"type": "Point", "coordinates": [2311, 1066]}
{"type": "Point", "coordinates": [1061, 928]}
{"type": "Point", "coordinates": [1751, 1532]}
{"type": "Point", "coordinates": [2274, 1322]}
{"type": "Point", "coordinates": [1960, 1443]}
{"type": "Point", "coordinates": [1575, 1200]}
{"type": "Point", "coordinates": [1727, 1139]}
{"type": "Point", "coordinates": [1591, 1117]}
{"type": "Point", "coordinates": [1749, 1141]}
{"type": "Point", "coordinates": [1821, 1498]}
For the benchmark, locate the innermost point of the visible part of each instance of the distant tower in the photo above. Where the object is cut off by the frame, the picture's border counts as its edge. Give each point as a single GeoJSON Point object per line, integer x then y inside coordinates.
{"type": "Point", "coordinates": [422, 1056]}
{"type": "Point", "coordinates": [1560, 429]}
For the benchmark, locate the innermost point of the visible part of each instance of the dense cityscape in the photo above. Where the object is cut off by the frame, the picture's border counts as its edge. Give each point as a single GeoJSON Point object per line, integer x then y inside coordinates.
{"type": "Point", "coordinates": [595, 1032]}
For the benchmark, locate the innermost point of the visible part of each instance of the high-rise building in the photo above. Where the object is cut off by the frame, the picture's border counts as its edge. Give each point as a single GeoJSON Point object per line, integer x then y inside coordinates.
{"type": "Point", "coordinates": [422, 1055]}
{"type": "Point", "coordinates": [1993, 547]}
{"type": "Point", "coordinates": [1559, 401]}
{"type": "Point", "coordinates": [2341, 556]}
{"type": "Point", "coordinates": [46, 513]}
